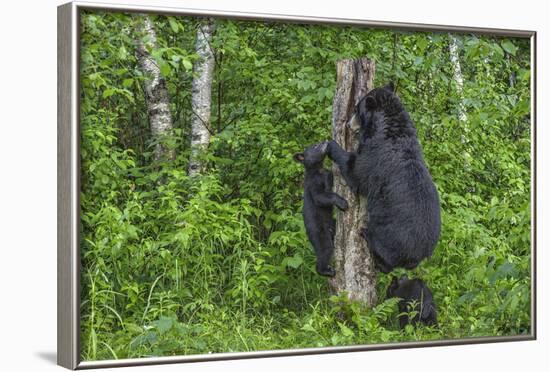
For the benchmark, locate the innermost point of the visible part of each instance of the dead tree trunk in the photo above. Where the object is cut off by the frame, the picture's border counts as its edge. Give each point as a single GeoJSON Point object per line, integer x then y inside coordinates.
{"type": "Point", "coordinates": [201, 95]}
{"type": "Point", "coordinates": [156, 93]}
{"type": "Point", "coordinates": [354, 265]}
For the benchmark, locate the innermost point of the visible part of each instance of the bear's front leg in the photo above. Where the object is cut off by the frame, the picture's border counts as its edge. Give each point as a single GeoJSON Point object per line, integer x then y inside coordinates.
{"type": "Point", "coordinates": [328, 199]}
{"type": "Point", "coordinates": [345, 161]}
{"type": "Point", "coordinates": [340, 202]}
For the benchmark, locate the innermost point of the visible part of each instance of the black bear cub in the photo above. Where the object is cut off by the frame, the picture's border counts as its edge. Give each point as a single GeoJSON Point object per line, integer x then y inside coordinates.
{"type": "Point", "coordinates": [388, 168]}
{"type": "Point", "coordinates": [318, 202]}
{"type": "Point", "coordinates": [415, 296]}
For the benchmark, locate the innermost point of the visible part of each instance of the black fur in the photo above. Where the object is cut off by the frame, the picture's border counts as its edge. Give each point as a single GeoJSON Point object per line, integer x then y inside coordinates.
{"type": "Point", "coordinates": [318, 202]}
{"type": "Point", "coordinates": [389, 169]}
{"type": "Point", "coordinates": [415, 296]}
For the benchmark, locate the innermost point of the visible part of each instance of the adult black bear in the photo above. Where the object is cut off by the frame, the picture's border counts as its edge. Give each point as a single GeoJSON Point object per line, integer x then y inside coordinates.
{"type": "Point", "coordinates": [415, 296]}
{"type": "Point", "coordinates": [388, 168]}
{"type": "Point", "coordinates": [318, 202]}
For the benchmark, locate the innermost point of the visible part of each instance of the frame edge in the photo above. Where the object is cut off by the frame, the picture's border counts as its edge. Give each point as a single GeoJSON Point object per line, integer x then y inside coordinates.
{"type": "Point", "coordinates": [67, 342]}
{"type": "Point", "coordinates": [534, 180]}
{"type": "Point", "coordinates": [152, 361]}
{"type": "Point", "coordinates": [68, 171]}
{"type": "Point", "coordinates": [292, 18]}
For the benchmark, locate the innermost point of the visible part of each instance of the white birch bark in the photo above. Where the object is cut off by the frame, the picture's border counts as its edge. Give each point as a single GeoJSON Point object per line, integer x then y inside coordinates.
{"type": "Point", "coordinates": [457, 76]}
{"type": "Point", "coordinates": [512, 76]}
{"type": "Point", "coordinates": [201, 95]}
{"type": "Point", "coordinates": [459, 82]}
{"type": "Point", "coordinates": [156, 93]}
{"type": "Point", "coordinates": [353, 263]}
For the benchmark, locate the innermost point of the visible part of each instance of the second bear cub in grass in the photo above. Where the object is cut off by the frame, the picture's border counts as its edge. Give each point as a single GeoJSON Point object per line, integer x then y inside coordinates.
{"type": "Point", "coordinates": [415, 297]}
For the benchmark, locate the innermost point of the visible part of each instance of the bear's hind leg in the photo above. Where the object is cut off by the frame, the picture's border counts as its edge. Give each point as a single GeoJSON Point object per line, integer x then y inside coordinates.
{"type": "Point", "coordinates": [324, 254]}
{"type": "Point", "coordinates": [383, 260]}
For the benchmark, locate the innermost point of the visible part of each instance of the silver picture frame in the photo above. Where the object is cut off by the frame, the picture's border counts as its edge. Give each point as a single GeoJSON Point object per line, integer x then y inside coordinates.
{"type": "Point", "coordinates": [68, 183]}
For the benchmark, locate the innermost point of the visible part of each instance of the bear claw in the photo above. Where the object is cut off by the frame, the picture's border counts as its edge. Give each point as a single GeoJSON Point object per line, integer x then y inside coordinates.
{"type": "Point", "coordinates": [328, 271]}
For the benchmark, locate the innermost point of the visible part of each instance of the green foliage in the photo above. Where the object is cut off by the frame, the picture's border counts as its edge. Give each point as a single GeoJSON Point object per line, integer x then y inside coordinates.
{"type": "Point", "coordinates": [175, 265]}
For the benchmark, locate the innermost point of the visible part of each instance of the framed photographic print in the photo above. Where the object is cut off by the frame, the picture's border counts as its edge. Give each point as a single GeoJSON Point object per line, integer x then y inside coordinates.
{"type": "Point", "coordinates": [235, 185]}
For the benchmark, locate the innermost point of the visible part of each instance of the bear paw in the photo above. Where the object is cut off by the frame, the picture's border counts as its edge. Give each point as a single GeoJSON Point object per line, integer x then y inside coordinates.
{"type": "Point", "coordinates": [343, 205]}
{"type": "Point", "coordinates": [326, 271]}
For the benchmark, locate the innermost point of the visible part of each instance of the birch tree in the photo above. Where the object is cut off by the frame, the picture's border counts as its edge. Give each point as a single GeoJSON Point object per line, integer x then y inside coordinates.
{"type": "Point", "coordinates": [201, 95]}
{"type": "Point", "coordinates": [156, 93]}
{"type": "Point", "coordinates": [354, 265]}
{"type": "Point", "coordinates": [457, 76]}
{"type": "Point", "coordinates": [459, 84]}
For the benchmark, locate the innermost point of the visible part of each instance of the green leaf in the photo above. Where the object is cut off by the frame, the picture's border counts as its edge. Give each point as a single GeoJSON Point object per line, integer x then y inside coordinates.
{"type": "Point", "coordinates": [122, 53]}
{"type": "Point", "coordinates": [498, 51]}
{"type": "Point", "coordinates": [173, 24]}
{"type": "Point", "coordinates": [108, 92]}
{"type": "Point", "coordinates": [507, 269]}
{"type": "Point", "coordinates": [294, 261]}
{"type": "Point", "coordinates": [509, 47]}
{"type": "Point", "coordinates": [165, 69]}
{"type": "Point", "coordinates": [345, 330]}
{"type": "Point", "coordinates": [164, 324]}
{"type": "Point", "coordinates": [127, 82]}
{"type": "Point", "coordinates": [418, 60]}
{"type": "Point", "coordinates": [187, 64]}
{"type": "Point", "coordinates": [308, 327]}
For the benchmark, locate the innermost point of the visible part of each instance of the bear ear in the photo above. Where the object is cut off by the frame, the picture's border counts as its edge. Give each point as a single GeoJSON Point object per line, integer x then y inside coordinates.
{"type": "Point", "coordinates": [299, 157]}
{"type": "Point", "coordinates": [370, 102]}
{"type": "Point", "coordinates": [392, 287]}
{"type": "Point", "coordinates": [391, 86]}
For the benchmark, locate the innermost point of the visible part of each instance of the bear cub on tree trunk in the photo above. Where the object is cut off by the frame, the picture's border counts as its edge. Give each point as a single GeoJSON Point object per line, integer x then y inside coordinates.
{"type": "Point", "coordinates": [318, 204]}
{"type": "Point", "coordinates": [415, 296]}
{"type": "Point", "coordinates": [388, 168]}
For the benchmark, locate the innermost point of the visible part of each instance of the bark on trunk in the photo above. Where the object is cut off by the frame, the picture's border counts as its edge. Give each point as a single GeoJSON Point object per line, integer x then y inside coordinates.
{"type": "Point", "coordinates": [201, 95]}
{"type": "Point", "coordinates": [156, 93]}
{"type": "Point", "coordinates": [457, 76]}
{"type": "Point", "coordinates": [354, 265]}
